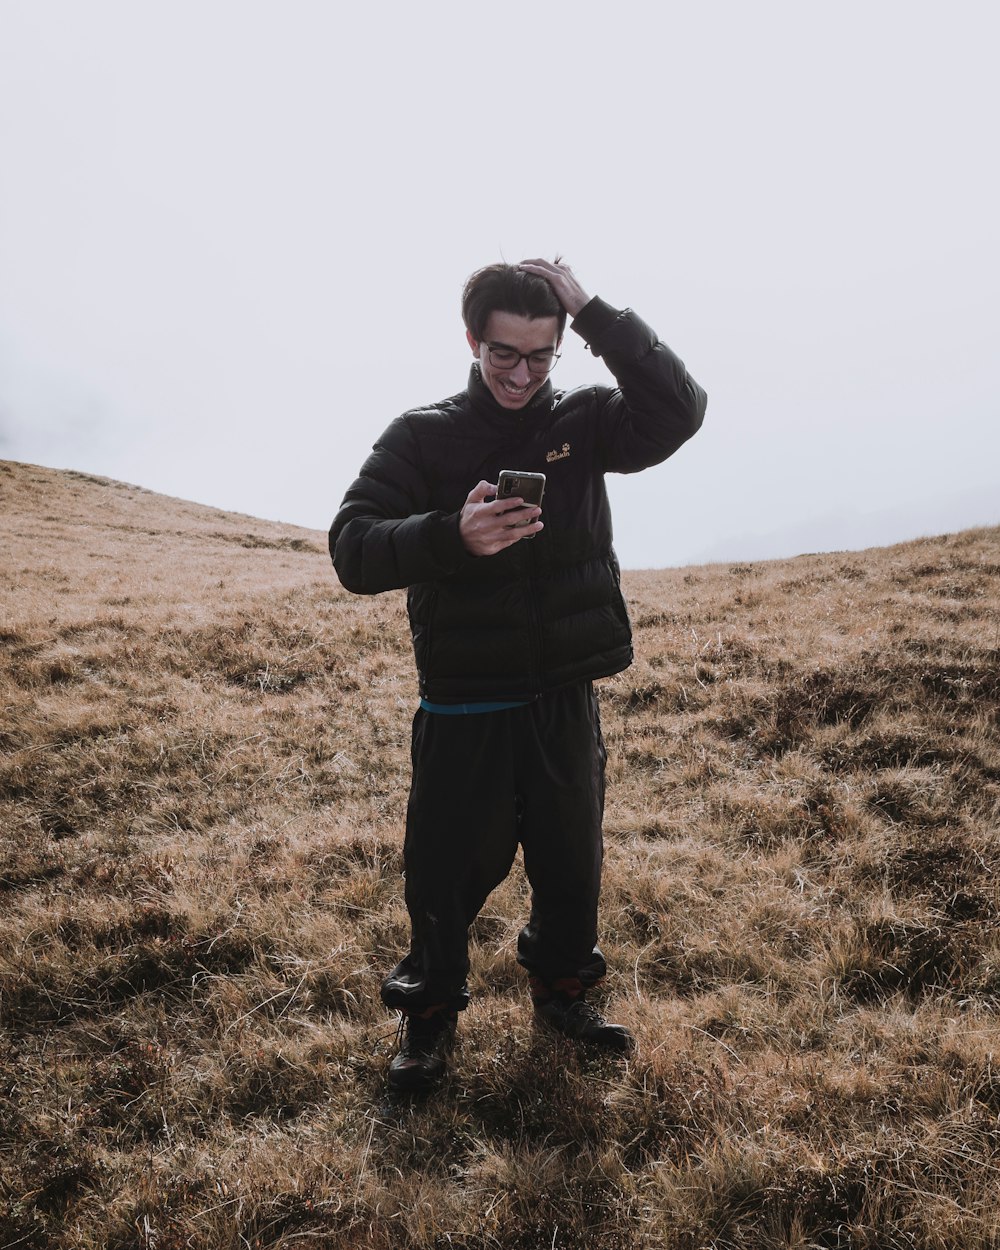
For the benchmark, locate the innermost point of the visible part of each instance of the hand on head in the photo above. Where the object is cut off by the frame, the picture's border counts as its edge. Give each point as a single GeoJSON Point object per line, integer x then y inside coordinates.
{"type": "Point", "coordinates": [561, 278]}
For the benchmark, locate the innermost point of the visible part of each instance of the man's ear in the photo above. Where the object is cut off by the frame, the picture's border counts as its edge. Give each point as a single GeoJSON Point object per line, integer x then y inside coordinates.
{"type": "Point", "coordinates": [473, 342]}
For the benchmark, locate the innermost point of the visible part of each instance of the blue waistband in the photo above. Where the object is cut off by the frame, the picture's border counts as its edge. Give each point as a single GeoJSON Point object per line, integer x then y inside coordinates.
{"type": "Point", "coordinates": [469, 709]}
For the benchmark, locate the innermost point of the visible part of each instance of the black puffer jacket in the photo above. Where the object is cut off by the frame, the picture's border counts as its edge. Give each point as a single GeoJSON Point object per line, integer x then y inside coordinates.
{"type": "Point", "coordinates": [543, 612]}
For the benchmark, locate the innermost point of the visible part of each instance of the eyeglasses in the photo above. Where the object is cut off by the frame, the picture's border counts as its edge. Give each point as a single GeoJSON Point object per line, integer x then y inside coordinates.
{"type": "Point", "coordinates": [503, 357]}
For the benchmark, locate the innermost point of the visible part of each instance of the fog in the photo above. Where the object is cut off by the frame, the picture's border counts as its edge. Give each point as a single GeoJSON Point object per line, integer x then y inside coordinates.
{"type": "Point", "coordinates": [233, 238]}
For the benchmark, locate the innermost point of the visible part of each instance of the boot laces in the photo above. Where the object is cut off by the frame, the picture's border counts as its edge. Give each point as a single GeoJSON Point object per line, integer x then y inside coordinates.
{"type": "Point", "coordinates": [586, 1013]}
{"type": "Point", "coordinates": [417, 1035]}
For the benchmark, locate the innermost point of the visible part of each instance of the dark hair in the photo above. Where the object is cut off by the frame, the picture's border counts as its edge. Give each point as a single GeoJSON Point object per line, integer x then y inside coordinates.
{"type": "Point", "coordinates": [506, 288]}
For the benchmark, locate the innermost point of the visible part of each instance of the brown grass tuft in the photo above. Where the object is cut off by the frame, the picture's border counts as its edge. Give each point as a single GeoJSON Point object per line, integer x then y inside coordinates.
{"type": "Point", "coordinates": [203, 769]}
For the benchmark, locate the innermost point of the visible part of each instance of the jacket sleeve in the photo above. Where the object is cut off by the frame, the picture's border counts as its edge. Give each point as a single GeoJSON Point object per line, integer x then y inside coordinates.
{"type": "Point", "coordinates": [384, 537]}
{"type": "Point", "coordinates": [656, 405]}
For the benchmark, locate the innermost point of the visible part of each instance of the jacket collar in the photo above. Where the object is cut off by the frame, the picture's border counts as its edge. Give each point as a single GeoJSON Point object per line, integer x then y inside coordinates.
{"type": "Point", "coordinates": [483, 401]}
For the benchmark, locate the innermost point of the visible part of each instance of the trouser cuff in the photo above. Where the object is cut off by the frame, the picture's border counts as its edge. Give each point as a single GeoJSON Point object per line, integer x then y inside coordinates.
{"type": "Point", "coordinates": [445, 1010]}
{"type": "Point", "coordinates": [407, 989]}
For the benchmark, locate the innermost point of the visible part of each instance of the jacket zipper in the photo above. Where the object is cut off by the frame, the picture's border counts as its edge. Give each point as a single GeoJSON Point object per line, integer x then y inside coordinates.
{"type": "Point", "coordinates": [428, 638]}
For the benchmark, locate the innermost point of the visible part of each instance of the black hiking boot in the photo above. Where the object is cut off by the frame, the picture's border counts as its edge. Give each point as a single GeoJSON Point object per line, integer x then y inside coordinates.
{"type": "Point", "coordinates": [424, 1043]}
{"type": "Point", "coordinates": [575, 1018]}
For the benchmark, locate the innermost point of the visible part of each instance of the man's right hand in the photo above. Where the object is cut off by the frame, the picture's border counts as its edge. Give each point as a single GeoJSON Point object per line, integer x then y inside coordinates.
{"type": "Point", "coordinates": [486, 528]}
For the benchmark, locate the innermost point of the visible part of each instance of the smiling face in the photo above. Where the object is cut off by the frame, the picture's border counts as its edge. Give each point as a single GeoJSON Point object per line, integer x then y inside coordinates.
{"type": "Point", "coordinates": [513, 388]}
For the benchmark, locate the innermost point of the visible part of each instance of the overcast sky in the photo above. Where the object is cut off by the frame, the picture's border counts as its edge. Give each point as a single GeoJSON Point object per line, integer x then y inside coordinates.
{"type": "Point", "coordinates": [233, 236]}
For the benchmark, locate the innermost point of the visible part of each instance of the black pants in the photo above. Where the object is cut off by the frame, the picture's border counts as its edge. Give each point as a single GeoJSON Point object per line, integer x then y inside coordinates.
{"type": "Point", "coordinates": [482, 783]}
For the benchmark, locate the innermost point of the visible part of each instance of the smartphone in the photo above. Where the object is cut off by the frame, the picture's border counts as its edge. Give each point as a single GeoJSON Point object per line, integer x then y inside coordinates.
{"type": "Point", "coordinates": [528, 486]}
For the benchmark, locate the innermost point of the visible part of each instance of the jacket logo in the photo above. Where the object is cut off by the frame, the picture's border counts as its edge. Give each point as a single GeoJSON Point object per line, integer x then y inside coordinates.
{"type": "Point", "coordinates": [557, 455]}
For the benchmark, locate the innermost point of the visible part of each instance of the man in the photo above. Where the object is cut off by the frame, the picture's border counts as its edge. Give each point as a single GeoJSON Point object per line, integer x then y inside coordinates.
{"type": "Point", "coordinates": [512, 617]}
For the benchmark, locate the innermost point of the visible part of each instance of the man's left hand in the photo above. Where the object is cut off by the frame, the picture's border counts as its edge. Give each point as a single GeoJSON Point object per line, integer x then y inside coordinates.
{"type": "Point", "coordinates": [560, 277]}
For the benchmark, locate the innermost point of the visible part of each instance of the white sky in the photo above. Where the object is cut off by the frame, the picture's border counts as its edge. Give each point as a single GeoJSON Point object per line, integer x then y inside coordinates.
{"type": "Point", "coordinates": [233, 236]}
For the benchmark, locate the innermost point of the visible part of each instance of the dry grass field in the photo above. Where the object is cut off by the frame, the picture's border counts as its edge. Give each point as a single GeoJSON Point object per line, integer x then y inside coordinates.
{"type": "Point", "coordinates": [203, 770]}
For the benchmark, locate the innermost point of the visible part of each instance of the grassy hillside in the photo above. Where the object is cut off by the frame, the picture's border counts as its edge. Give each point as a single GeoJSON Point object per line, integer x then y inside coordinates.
{"type": "Point", "coordinates": [203, 769]}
